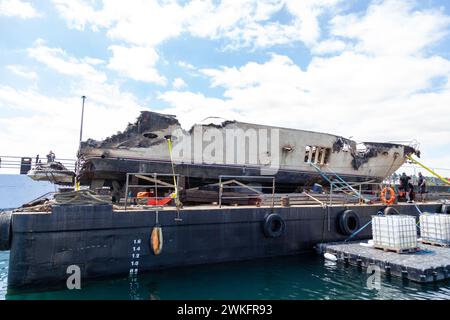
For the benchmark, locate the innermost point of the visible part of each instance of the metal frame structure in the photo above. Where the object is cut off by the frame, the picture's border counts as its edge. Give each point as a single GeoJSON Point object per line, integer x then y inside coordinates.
{"type": "Point", "coordinates": [151, 177]}
{"type": "Point", "coordinates": [225, 185]}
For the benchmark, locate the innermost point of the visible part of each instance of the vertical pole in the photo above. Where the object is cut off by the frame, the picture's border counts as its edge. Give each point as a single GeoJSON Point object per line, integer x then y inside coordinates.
{"type": "Point", "coordinates": [360, 194]}
{"type": "Point", "coordinates": [126, 192]}
{"type": "Point", "coordinates": [82, 118]}
{"type": "Point", "coordinates": [220, 191]}
{"type": "Point", "coordinates": [273, 192]}
{"type": "Point", "coordinates": [175, 184]}
{"type": "Point", "coordinates": [329, 218]}
{"type": "Point", "coordinates": [176, 190]}
{"type": "Point", "coordinates": [155, 176]}
{"type": "Point", "coordinates": [77, 184]}
{"type": "Point", "coordinates": [331, 193]}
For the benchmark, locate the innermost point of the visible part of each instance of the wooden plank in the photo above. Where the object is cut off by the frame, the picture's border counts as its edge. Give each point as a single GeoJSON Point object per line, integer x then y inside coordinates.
{"type": "Point", "coordinates": [388, 249]}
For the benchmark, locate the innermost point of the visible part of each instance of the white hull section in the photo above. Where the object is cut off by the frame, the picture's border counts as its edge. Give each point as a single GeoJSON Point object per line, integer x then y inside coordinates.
{"type": "Point", "coordinates": [57, 177]}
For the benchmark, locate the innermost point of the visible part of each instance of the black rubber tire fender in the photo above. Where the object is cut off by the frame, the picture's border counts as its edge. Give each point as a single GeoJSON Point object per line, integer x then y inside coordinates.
{"type": "Point", "coordinates": [348, 222]}
{"type": "Point", "coordinates": [274, 226]}
{"type": "Point", "coordinates": [391, 211]}
{"type": "Point", "coordinates": [5, 230]}
{"type": "Point", "coordinates": [445, 208]}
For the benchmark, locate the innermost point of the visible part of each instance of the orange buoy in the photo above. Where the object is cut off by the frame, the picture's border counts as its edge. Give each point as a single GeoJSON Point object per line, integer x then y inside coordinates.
{"type": "Point", "coordinates": [156, 240]}
{"type": "Point", "coordinates": [391, 198]}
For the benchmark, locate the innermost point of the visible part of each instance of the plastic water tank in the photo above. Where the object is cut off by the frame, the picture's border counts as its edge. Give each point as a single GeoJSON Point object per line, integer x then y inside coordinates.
{"type": "Point", "coordinates": [394, 232]}
{"type": "Point", "coordinates": [435, 227]}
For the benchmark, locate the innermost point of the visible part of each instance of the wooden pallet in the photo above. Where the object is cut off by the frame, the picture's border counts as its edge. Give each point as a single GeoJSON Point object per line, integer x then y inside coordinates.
{"type": "Point", "coordinates": [385, 249]}
{"type": "Point", "coordinates": [435, 243]}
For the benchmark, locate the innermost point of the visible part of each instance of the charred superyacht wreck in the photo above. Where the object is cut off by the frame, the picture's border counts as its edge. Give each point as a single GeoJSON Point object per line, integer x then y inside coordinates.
{"type": "Point", "coordinates": [233, 148]}
{"type": "Point", "coordinates": [84, 231]}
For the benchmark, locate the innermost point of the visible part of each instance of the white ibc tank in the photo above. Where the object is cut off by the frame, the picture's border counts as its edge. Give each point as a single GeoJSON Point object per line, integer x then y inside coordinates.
{"type": "Point", "coordinates": [394, 232]}
{"type": "Point", "coordinates": [435, 227]}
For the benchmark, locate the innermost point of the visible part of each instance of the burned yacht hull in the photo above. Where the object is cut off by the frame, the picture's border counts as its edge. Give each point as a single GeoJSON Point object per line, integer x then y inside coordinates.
{"type": "Point", "coordinates": [205, 152]}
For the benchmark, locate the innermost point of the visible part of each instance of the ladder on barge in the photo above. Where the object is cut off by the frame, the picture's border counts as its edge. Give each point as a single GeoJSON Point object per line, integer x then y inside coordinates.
{"type": "Point", "coordinates": [337, 183]}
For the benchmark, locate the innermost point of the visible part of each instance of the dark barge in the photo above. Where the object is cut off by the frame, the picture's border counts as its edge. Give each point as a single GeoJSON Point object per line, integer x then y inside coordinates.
{"type": "Point", "coordinates": [103, 241]}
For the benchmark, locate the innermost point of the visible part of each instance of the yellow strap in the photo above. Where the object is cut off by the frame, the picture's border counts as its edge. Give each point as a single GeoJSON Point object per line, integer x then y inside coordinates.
{"type": "Point", "coordinates": [428, 169]}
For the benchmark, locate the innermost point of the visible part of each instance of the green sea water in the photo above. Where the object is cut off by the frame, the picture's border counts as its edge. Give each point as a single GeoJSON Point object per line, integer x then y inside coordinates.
{"type": "Point", "coordinates": [297, 277]}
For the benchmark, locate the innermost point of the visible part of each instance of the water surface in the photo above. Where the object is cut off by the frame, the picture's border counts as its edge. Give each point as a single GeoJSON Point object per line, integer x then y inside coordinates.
{"type": "Point", "coordinates": [297, 277]}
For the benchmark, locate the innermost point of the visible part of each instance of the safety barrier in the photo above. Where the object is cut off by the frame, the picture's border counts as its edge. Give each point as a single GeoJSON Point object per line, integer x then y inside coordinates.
{"type": "Point", "coordinates": [157, 185]}
{"type": "Point", "coordinates": [236, 182]}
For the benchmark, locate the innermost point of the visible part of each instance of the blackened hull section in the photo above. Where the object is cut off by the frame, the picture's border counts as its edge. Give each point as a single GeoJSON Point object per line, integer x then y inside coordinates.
{"type": "Point", "coordinates": [101, 241]}
{"type": "Point", "coordinates": [116, 169]}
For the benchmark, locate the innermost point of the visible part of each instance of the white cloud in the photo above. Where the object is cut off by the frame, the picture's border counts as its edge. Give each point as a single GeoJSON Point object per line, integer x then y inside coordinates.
{"type": "Point", "coordinates": [371, 76]}
{"type": "Point", "coordinates": [261, 35]}
{"type": "Point", "coordinates": [78, 13]}
{"type": "Point", "coordinates": [307, 13]}
{"type": "Point", "coordinates": [393, 27]}
{"type": "Point", "coordinates": [23, 72]}
{"type": "Point", "coordinates": [373, 79]}
{"type": "Point", "coordinates": [369, 98]}
{"type": "Point", "coordinates": [329, 46]}
{"type": "Point", "coordinates": [178, 83]}
{"type": "Point", "coordinates": [53, 122]}
{"type": "Point", "coordinates": [139, 22]}
{"type": "Point", "coordinates": [242, 23]}
{"type": "Point", "coordinates": [278, 70]}
{"type": "Point", "coordinates": [186, 65]}
{"type": "Point", "coordinates": [191, 108]}
{"type": "Point", "coordinates": [137, 63]}
{"type": "Point", "coordinates": [58, 60]}
{"type": "Point", "coordinates": [18, 8]}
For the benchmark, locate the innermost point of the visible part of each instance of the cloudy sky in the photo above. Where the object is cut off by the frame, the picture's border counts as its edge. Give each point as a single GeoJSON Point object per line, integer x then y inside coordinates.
{"type": "Point", "coordinates": [370, 70]}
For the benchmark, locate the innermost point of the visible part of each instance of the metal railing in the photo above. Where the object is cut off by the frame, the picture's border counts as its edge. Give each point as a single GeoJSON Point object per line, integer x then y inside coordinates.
{"type": "Point", "coordinates": [156, 184]}
{"type": "Point", "coordinates": [337, 182]}
{"type": "Point", "coordinates": [355, 185]}
{"type": "Point", "coordinates": [233, 182]}
{"type": "Point", "coordinates": [15, 162]}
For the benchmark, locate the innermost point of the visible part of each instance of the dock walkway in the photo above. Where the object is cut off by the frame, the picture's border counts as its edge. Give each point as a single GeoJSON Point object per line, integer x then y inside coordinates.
{"type": "Point", "coordinates": [428, 264]}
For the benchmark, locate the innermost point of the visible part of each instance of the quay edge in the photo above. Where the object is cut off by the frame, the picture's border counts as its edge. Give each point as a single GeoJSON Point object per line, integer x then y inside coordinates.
{"type": "Point", "coordinates": [100, 240]}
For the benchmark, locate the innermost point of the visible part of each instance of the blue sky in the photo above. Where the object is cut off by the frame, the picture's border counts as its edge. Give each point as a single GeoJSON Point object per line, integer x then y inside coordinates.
{"type": "Point", "coordinates": [371, 70]}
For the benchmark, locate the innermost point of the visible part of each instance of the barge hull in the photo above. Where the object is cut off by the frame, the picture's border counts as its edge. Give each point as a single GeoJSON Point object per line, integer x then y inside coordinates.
{"type": "Point", "coordinates": [101, 242]}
